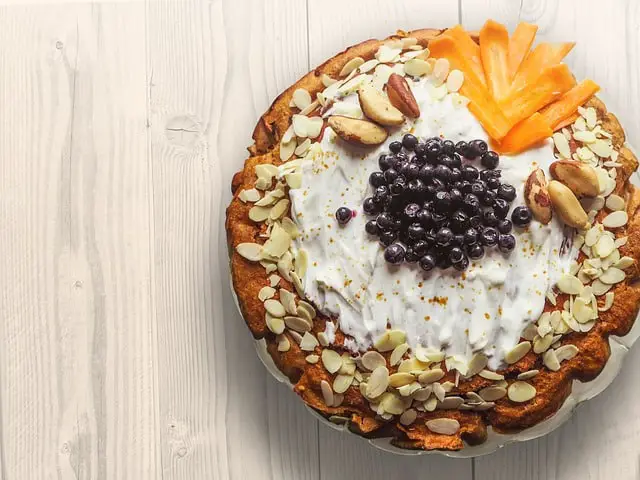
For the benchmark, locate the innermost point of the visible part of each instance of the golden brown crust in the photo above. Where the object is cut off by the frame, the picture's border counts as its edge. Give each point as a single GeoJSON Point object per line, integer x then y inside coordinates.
{"type": "Point", "coordinates": [552, 387]}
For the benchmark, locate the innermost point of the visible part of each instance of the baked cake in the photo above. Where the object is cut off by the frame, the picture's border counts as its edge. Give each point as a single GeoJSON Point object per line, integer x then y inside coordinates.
{"type": "Point", "coordinates": [435, 234]}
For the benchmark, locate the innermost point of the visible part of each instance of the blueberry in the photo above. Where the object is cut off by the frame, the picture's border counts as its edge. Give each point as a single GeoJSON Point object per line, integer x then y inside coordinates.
{"type": "Point", "coordinates": [489, 237]}
{"type": "Point", "coordinates": [427, 263]}
{"type": "Point", "coordinates": [462, 265]}
{"type": "Point", "coordinates": [470, 236]}
{"type": "Point", "coordinates": [506, 191]}
{"type": "Point", "coordinates": [385, 222]}
{"type": "Point", "coordinates": [462, 148]}
{"type": "Point", "coordinates": [477, 148]}
{"type": "Point", "coordinates": [501, 207]}
{"type": "Point", "coordinates": [410, 212]}
{"type": "Point", "coordinates": [395, 204]}
{"type": "Point", "coordinates": [478, 188]}
{"type": "Point", "coordinates": [401, 166]}
{"type": "Point", "coordinates": [489, 218]}
{"type": "Point", "coordinates": [448, 147]}
{"type": "Point", "coordinates": [471, 204]}
{"type": "Point", "coordinates": [390, 175]}
{"type": "Point", "coordinates": [416, 231]}
{"type": "Point", "coordinates": [456, 254]}
{"type": "Point", "coordinates": [493, 183]}
{"type": "Point", "coordinates": [504, 226]}
{"type": "Point", "coordinates": [469, 172]}
{"type": "Point", "coordinates": [444, 236]}
{"type": "Point", "coordinates": [410, 256]}
{"type": "Point", "coordinates": [381, 194]}
{"type": "Point", "coordinates": [487, 174]}
{"type": "Point", "coordinates": [426, 173]}
{"type": "Point", "coordinates": [442, 202]}
{"type": "Point", "coordinates": [416, 187]}
{"type": "Point", "coordinates": [443, 173]}
{"type": "Point", "coordinates": [438, 184]}
{"type": "Point", "coordinates": [370, 207]}
{"type": "Point", "coordinates": [387, 238]}
{"type": "Point", "coordinates": [456, 197]}
{"type": "Point", "coordinates": [521, 216]}
{"type": "Point", "coordinates": [475, 251]}
{"type": "Point", "coordinates": [394, 254]}
{"type": "Point", "coordinates": [456, 175]}
{"type": "Point", "coordinates": [490, 160]}
{"type": "Point", "coordinates": [488, 198]}
{"type": "Point", "coordinates": [412, 171]}
{"type": "Point", "coordinates": [420, 247]}
{"type": "Point", "coordinates": [372, 227]}
{"type": "Point", "coordinates": [376, 179]}
{"type": "Point", "coordinates": [395, 147]}
{"type": "Point", "coordinates": [433, 148]}
{"type": "Point", "coordinates": [442, 260]}
{"type": "Point", "coordinates": [457, 240]}
{"type": "Point", "coordinates": [439, 219]}
{"type": "Point", "coordinates": [343, 215]}
{"type": "Point", "coordinates": [424, 217]}
{"type": "Point", "coordinates": [421, 151]}
{"type": "Point", "coordinates": [459, 221]}
{"type": "Point", "coordinates": [385, 162]}
{"type": "Point", "coordinates": [464, 186]}
{"type": "Point", "coordinates": [475, 222]}
{"type": "Point", "coordinates": [409, 141]}
{"type": "Point", "coordinates": [446, 160]}
{"type": "Point", "coordinates": [506, 243]}
{"type": "Point", "coordinates": [418, 160]}
{"type": "Point", "coordinates": [398, 186]}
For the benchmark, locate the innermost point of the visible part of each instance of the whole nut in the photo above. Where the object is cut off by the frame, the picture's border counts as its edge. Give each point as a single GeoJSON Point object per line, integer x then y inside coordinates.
{"type": "Point", "coordinates": [567, 205]}
{"type": "Point", "coordinates": [377, 107]}
{"type": "Point", "coordinates": [537, 197]}
{"type": "Point", "coordinates": [401, 97]}
{"type": "Point", "coordinates": [579, 177]}
{"type": "Point", "coordinates": [358, 132]}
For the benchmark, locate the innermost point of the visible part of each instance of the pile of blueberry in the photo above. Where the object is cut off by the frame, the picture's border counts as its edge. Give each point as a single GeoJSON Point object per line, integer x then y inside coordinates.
{"type": "Point", "coordinates": [430, 206]}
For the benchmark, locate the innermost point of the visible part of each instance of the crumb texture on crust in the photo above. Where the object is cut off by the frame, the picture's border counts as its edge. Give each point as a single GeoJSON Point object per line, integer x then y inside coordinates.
{"type": "Point", "coordinates": [552, 387]}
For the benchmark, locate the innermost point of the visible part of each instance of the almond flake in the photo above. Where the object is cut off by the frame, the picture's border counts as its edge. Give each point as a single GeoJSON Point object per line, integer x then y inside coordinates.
{"type": "Point", "coordinates": [274, 308]}
{"type": "Point", "coordinates": [569, 284]}
{"type": "Point", "coordinates": [455, 80]}
{"type": "Point", "coordinates": [249, 195]}
{"type": "Point", "coordinates": [279, 209]}
{"type": "Point", "coordinates": [600, 288]}
{"type": "Point", "coordinates": [612, 276]}
{"type": "Point", "coordinates": [266, 293]}
{"type": "Point", "coordinates": [451, 403]}
{"type": "Point", "coordinates": [601, 148]}
{"type": "Point", "coordinates": [542, 344]}
{"type": "Point", "coordinates": [431, 376]}
{"type": "Point", "coordinates": [417, 67]}
{"type": "Point", "coordinates": [327, 393]}
{"type": "Point", "coordinates": [528, 375]}
{"type": "Point", "coordinates": [350, 66]}
{"type": "Point", "coordinates": [327, 80]}
{"type": "Point", "coordinates": [297, 324]}
{"type": "Point", "coordinates": [408, 417]}
{"type": "Point", "coordinates": [372, 360]}
{"type": "Point", "coordinates": [398, 353]}
{"type": "Point", "coordinates": [517, 352]}
{"type": "Point", "coordinates": [283, 343]}
{"type": "Point", "coordinates": [259, 214]}
{"type": "Point", "coordinates": [278, 243]}
{"type": "Point", "coordinates": [368, 65]}
{"type": "Point", "coordinates": [608, 302]}
{"type": "Point", "coordinates": [520, 392]}
{"type": "Point", "coordinates": [297, 283]}
{"type": "Point", "coordinates": [439, 391]}
{"type": "Point", "coordinates": [390, 340]}
{"type": "Point", "coordinates": [250, 251]}
{"type": "Point", "coordinates": [301, 98]}
{"type": "Point", "coordinates": [476, 364]}
{"type": "Point", "coordinates": [302, 148]}
{"type": "Point", "coordinates": [313, 359]}
{"type": "Point", "coordinates": [274, 324]}
{"type": "Point", "coordinates": [582, 310]}
{"type": "Point", "coordinates": [288, 301]}
{"type": "Point", "coordinates": [584, 136]}
{"type": "Point", "coordinates": [492, 393]}
{"type": "Point", "coordinates": [378, 382]}
{"type": "Point", "coordinates": [306, 309]}
{"type": "Point", "coordinates": [624, 262]}
{"type": "Point", "coordinates": [342, 383]}
{"type": "Point", "coordinates": [562, 145]}
{"type": "Point", "coordinates": [440, 71]}
{"type": "Point", "coordinates": [615, 219]}
{"type": "Point", "coordinates": [566, 352]}
{"type": "Point", "coordinates": [400, 379]}
{"type": "Point", "coordinates": [308, 343]}
{"type": "Point", "coordinates": [323, 340]}
{"type": "Point", "coordinates": [331, 360]}
{"type": "Point", "coordinates": [550, 360]}
{"type": "Point", "coordinates": [604, 246]}
{"type": "Point", "coordinates": [615, 203]}
{"type": "Point", "coordinates": [443, 426]}
{"type": "Point", "coordinates": [489, 375]}
{"type": "Point", "coordinates": [386, 54]}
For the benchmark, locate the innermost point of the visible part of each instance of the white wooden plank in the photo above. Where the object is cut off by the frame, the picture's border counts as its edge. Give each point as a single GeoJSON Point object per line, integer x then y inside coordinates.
{"type": "Point", "coordinates": [599, 441]}
{"type": "Point", "coordinates": [215, 69]}
{"type": "Point", "coordinates": [76, 368]}
{"type": "Point", "coordinates": [475, 12]}
{"type": "Point", "coordinates": [334, 25]}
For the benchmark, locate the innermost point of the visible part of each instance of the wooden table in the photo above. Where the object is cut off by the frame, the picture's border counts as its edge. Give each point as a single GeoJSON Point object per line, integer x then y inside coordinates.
{"type": "Point", "coordinates": [121, 124]}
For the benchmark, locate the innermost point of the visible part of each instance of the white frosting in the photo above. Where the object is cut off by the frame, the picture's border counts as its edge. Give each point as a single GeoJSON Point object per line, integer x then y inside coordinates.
{"type": "Point", "coordinates": [483, 310]}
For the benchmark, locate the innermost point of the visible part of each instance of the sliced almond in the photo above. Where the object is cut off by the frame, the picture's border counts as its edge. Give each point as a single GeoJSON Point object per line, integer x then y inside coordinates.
{"type": "Point", "coordinates": [492, 393]}
{"type": "Point", "coordinates": [569, 284]}
{"type": "Point", "coordinates": [489, 375]}
{"type": "Point", "coordinates": [408, 417]}
{"type": "Point", "coordinates": [455, 80]}
{"type": "Point", "coordinates": [327, 393]}
{"type": "Point", "coordinates": [417, 67]}
{"type": "Point", "coordinates": [443, 426]}
{"type": "Point", "coordinates": [250, 251]}
{"type": "Point", "coordinates": [567, 205]}
{"type": "Point", "coordinates": [615, 203]}
{"type": "Point", "coordinates": [358, 132]}
{"type": "Point", "coordinates": [342, 383]}
{"type": "Point", "coordinates": [537, 196]}
{"type": "Point", "coordinates": [399, 379]}
{"type": "Point", "coordinates": [566, 352]}
{"type": "Point", "coordinates": [612, 276]}
{"type": "Point", "coordinates": [378, 382]}
{"type": "Point", "coordinates": [372, 360]}
{"type": "Point", "coordinates": [301, 98]}
{"type": "Point", "coordinates": [331, 360]}
{"type": "Point", "coordinates": [401, 97]}
{"type": "Point", "coordinates": [520, 392]}
{"type": "Point", "coordinates": [377, 107]}
{"type": "Point", "coordinates": [350, 66]}
{"type": "Point", "coordinates": [517, 352]}
{"type": "Point", "coordinates": [308, 342]}
{"type": "Point", "coordinates": [616, 219]}
{"type": "Point", "coordinates": [398, 353]}
{"type": "Point", "coordinates": [431, 376]}
{"type": "Point", "coordinates": [550, 360]}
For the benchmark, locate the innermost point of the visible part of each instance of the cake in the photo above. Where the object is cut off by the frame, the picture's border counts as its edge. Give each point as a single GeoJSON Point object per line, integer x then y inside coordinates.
{"type": "Point", "coordinates": [435, 234]}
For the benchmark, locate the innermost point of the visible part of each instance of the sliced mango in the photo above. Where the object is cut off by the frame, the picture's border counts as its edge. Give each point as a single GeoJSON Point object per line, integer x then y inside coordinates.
{"type": "Point", "coordinates": [469, 48]}
{"type": "Point", "coordinates": [494, 51]}
{"type": "Point", "coordinates": [541, 57]}
{"type": "Point", "coordinates": [550, 85]}
{"type": "Point", "coordinates": [520, 44]}
{"type": "Point", "coordinates": [565, 107]}
{"type": "Point", "coordinates": [526, 134]}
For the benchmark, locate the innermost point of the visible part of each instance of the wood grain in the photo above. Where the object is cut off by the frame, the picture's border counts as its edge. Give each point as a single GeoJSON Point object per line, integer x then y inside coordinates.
{"type": "Point", "coordinates": [121, 125]}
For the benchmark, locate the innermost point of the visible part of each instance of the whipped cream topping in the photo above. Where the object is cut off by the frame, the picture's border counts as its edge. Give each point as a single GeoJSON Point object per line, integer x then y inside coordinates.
{"type": "Point", "coordinates": [483, 309]}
